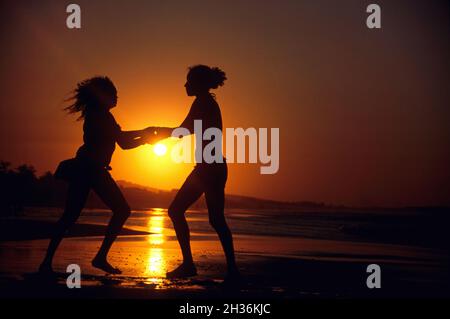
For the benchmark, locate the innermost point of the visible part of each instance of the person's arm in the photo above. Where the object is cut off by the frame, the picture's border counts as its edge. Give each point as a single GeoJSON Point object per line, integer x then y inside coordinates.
{"type": "Point", "coordinates": [188, 122]}
{"type": "Point", "coordinates": [154, 134]}
{"type": "Point", "coordinates": [131, 139]}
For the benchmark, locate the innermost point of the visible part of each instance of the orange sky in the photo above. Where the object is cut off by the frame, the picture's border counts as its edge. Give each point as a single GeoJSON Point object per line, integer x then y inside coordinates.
{"type": "Point", "coordinates": [363, 114]}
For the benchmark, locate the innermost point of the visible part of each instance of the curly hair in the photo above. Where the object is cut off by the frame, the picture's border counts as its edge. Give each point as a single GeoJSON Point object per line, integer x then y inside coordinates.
{"type": "Point", "coordinates": [209, 77]}
{"type": "Point", "coordinates": [86, 95]}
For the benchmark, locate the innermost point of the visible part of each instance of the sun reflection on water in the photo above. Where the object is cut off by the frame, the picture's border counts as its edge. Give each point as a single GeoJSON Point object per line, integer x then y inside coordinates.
{"type": "Point", "coordinates": [156, 261]}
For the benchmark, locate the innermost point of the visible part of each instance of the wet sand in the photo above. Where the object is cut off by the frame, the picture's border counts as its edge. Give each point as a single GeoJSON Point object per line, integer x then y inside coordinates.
{"type": "Point", "coordinates": [272, 267]}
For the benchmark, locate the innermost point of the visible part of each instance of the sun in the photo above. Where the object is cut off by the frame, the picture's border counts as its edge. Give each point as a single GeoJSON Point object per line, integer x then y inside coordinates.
{"type": "Point", "coordinates": [160, 149]}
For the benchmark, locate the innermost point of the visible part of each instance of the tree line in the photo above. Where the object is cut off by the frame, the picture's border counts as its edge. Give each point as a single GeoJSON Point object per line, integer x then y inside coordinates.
{"type": "Point", "coordinates": [21, 187]}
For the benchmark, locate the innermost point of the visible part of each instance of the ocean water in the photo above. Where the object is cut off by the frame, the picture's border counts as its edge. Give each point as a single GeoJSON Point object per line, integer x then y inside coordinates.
{"type": "Point", "coordinates": [412, 227]}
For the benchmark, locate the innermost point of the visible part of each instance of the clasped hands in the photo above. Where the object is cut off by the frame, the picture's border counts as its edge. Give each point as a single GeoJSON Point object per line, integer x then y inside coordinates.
{"type": "Point", "coordinates": [154, 134]}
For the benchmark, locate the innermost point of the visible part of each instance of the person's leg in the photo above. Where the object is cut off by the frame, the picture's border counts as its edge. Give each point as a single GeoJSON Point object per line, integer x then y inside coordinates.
{"type": "Point", "coordinates": [215, 199]}
{"type": "Point", "coordinates": [186, 196]}
{"type": "Point", "coordinates": [108, 191]}
{"type": "Point", "coordinates": [215, 181]}
{"type": "Point", "coordinates": [75, 201]}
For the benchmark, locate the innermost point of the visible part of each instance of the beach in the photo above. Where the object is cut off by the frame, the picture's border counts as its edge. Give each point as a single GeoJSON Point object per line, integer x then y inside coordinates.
{"type": "Point", "coordinates": [319, 254]}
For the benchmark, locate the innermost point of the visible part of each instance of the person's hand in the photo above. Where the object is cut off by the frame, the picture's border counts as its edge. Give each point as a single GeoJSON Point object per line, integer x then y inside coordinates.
{"type": "Point", "coordinates": [164, 132]}
{"type": "Point", "coordinates": [154, 134]}
{"type": "Point", "coordinates": [150, 131]}
{"type": "Point", "coordinates": [149, 134]}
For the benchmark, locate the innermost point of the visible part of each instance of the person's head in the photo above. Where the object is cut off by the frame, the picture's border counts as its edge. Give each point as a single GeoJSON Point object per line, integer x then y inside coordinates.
{"type": "Point", "coordinates": [97, 93]}
{"type": "Point", "coordinates": [202, 78]}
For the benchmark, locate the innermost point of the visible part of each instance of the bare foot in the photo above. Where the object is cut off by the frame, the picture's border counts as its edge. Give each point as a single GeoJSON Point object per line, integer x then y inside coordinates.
{"type": "Point", "coordinates": [182, 271]}
{"type": "Point", "coordinates": [104, 265]}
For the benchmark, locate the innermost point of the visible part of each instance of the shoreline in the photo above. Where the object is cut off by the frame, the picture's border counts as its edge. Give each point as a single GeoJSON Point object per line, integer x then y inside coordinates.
{"type": "Point", "coordinates": [263, 277]}
{"type": "Point", "coordinates": [273, 267]}
{"type": "Point", "coordinates": [18, 229]}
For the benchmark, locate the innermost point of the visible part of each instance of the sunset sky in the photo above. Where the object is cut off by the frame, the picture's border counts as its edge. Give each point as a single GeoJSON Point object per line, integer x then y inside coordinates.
{"type": "Point", "coordinates": [363, 114]}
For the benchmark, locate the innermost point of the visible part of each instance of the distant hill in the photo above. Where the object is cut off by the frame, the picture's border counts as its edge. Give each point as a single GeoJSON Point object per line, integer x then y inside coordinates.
{"type": "Point", "coordinates": [20, 187]}
{"type": "Point", "coordinates": [145, 197]}
{"type": "Point", "coordinates": [127, 184]}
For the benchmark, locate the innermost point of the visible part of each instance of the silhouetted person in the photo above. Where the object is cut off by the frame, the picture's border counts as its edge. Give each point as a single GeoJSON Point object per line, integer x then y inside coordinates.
{"type": "Point", "coordinates": [93, 99]}
{"type": "Point", "coordinates": [206, 178]}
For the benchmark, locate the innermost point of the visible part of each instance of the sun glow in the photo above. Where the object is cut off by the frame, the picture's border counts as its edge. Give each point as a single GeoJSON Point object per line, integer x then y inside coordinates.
{"type": "Point", "coordinates": [160, 149]}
